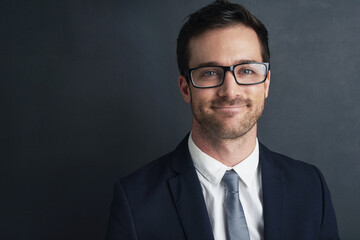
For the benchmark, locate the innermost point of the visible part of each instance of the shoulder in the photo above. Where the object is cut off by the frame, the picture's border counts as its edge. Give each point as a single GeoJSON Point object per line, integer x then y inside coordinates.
{"type": "Point", "coordinates": [292, 170]}
{"type": "Point", "coordinates": [304, 194]}
{"type": "Point", "coordinates": [156, 171]}
{"type": "Point", "coordinates": [149, 182]}
{"type": "Point", "coordinates": [281, 160]}
{"type": "Point", "coordinates": [160, 170]}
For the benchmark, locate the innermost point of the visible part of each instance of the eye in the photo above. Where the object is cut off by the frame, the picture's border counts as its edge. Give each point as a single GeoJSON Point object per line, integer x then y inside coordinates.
{"type": "Point", "coordinates": [209, 73]}
{"type": "Point", "coordinates": [246, 71]}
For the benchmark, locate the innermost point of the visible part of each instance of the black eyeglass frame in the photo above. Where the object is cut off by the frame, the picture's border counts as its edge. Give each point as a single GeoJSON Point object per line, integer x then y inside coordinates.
{"type": "Point", "coordinates": [228, 68]}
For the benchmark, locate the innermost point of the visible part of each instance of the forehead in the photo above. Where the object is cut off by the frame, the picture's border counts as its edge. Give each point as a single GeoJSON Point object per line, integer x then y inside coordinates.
{"type": "Point", "coordinates": [225, 46]}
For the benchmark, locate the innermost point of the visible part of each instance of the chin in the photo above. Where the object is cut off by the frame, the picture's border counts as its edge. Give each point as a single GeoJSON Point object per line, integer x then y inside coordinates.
{"type": "Point", "coordinates": [226, 133]}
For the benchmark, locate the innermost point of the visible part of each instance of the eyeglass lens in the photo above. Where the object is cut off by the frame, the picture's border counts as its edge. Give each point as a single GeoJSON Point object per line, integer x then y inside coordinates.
{"type": "Point", "coordinates": [250, 73]}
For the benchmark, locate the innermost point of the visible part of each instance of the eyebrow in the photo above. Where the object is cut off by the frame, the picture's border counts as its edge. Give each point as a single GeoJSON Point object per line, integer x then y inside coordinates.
{"type": "Point", "coordinates": [217, 64]}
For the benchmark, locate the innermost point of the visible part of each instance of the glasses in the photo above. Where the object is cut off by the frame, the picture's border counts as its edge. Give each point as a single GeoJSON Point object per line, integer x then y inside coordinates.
{"type": "Point", "coordinates": [249, 73]}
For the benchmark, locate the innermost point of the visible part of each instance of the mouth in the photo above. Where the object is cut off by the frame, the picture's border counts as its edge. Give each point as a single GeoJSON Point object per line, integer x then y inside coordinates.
{"type": "Point", "coordinates": [229, 109]}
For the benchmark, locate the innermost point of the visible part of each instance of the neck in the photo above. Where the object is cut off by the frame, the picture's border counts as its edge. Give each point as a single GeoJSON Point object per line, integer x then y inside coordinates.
{"type": "Point", "coordinates": [227, 151]}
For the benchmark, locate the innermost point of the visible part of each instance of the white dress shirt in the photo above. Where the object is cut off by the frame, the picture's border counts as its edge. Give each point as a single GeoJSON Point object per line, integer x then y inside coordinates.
{"type": "Point", "coordinates": [210, 172]}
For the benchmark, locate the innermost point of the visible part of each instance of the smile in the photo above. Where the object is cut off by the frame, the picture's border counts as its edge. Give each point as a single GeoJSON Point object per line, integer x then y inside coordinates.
{"type": "Point", "coordinates": [229, 109]}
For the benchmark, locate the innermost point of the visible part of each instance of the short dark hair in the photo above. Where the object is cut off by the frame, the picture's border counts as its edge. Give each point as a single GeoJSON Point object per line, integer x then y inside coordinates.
{"type": "Point", "coordinates": [218, 14]}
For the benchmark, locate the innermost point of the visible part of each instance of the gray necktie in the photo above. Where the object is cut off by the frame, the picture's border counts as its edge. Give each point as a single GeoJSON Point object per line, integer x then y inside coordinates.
{"type": "Point", "coordinates": [235, 217]}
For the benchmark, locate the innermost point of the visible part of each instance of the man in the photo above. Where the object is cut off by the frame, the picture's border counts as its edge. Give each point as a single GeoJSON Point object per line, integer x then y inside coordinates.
{"type": "Point", "coordinates": [220, 182]}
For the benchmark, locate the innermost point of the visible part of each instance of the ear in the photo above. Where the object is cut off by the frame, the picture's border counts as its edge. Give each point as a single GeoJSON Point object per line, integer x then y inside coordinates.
{"type": "Point", "coordinates": [184, 89]}
{"type": "Point", "coordinates": [267, 84]}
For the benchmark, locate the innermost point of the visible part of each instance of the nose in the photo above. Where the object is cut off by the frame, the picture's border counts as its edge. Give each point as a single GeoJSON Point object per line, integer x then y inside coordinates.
{"type": "Point", "coordinates": [229, 88]}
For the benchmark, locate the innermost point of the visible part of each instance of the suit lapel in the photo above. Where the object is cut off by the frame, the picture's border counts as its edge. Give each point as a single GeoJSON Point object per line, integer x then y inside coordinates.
{"type": "Point", "coordinates": [188, 197]}
{"type": "Point", "coordinates": [272, 186]}
{"type": "Point", "coordinates": [190, 204]}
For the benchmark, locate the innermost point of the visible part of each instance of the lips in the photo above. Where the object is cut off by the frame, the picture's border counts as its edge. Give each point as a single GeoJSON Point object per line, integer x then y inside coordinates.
{"type": "Point", "coordinates": [230, 106]}
{"type": "Point", "coordinates": [225, 102]}
{"type": "Point", "coordinates": [228, 111]}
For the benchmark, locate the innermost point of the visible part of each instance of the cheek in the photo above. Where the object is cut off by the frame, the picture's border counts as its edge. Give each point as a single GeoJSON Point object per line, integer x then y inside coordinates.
{"type": "Point", "coordinates": [202, 96]}
{"type": "Point", "coordinates": [256, 93]}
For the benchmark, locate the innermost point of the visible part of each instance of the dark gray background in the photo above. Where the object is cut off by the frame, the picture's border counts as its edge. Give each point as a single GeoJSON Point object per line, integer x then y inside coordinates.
{"type": "Point", "coordinates": [89, 93]}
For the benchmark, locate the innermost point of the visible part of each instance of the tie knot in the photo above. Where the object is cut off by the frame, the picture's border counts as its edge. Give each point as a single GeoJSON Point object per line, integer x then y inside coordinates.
{"type": "Point", "coordinates": [231, 181]}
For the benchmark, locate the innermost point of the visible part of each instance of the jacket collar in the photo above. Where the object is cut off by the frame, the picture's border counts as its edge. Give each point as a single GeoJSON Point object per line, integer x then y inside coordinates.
{"type": "Point", "coordinates": [187, 194]}
{"type": "Point", "coordinates": [272, 187]}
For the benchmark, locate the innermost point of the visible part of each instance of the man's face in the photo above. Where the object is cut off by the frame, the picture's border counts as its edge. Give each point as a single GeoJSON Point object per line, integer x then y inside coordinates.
{"type": "Point", "coordinates": [230, 110]}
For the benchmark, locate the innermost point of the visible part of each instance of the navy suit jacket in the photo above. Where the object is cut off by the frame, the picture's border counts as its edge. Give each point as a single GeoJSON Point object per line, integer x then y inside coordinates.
{"type": "Point", "coordinates": [164, 200]}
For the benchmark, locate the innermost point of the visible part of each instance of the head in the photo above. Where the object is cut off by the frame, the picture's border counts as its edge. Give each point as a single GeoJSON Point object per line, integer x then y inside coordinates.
{"type": "Point", "coordinates": [220, 14]}
{"type": "Point", "coordinates": [223, 34]}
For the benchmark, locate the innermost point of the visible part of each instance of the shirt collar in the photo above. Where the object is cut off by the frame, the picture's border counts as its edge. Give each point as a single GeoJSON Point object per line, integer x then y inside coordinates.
{"type": "Point", "coordinates": [213, 170]}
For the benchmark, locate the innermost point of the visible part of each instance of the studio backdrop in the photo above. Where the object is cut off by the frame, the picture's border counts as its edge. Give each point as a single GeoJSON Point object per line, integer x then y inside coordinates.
{"type": "Point", "coordinates": [89, 93]}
